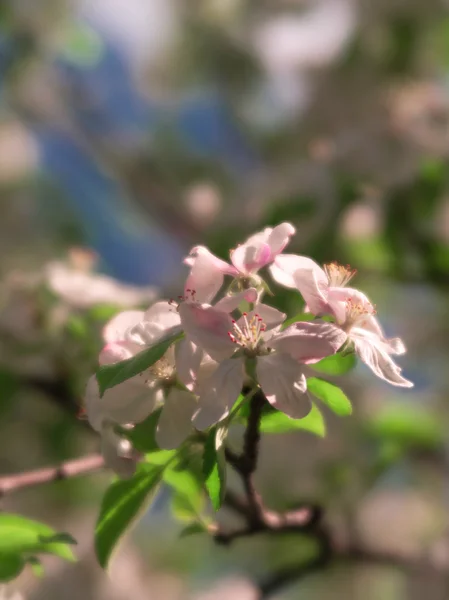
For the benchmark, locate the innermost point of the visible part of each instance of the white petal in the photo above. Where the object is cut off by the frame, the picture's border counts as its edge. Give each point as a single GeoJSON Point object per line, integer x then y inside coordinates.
{"type": "Point", "coordinates": [249, 259]}
{"type": "Point", "coordinates": [160, 320]}
{"type": "Point", "coordinates": [188, 357]}
{"type": "Point", "coordinates": [338, 298]}
{"type": "Point", "coordinates": [129, 402]}
{"type": "Point", "coordinates": [206, 275]}
{"type": "Point", "coordinates": [231, 302]}
{"type": "Point", "coordinates": [117, 351]}
{"type": "Point", "coordinates": [118, 453]}
{"type": "Point", "coordinates": [218, 391]}
{"type": "Point", "coordinates": [279, 238]}
{"type": "Point", "coordinates": [116, 329]}
{"type": "Point", "coordinates": [269, 315]}
{"type": "Point", "coordinates": [309, 341]}
{"type": "Point", "coordinates": [284, 384]}
{"type": "Point", "coordinates": [208, 328]}
{"type": "Point", "coordinates": [313, 290]}
{"type": "Point", "coordinates": [175, 422]}
{"type": "Point", "coordinates": [285, 265]}
{"type": "Point", "coordinates": [372, 352]}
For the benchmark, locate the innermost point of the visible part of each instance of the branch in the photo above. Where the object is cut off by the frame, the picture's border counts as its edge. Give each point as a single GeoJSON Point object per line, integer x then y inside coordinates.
{"type": "Point", "coordinates": [67, 470]}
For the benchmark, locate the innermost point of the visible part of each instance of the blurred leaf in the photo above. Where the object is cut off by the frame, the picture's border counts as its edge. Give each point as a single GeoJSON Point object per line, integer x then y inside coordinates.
{"type": "Point", "coordinates": [337, 364]}
{"type": "Point", "coordinates": [160, 457]}
{"type": "Point", "coordinates": [121, 505]}
{"type": "Point", "coordinates": [103, 312]}
{"type": "Point", "coordinates": [36, 566]}
{"type": "Point", "coordinates": [109, 376]}
{"type": "Point", "coordinates": [409, 426]}
{"type": "Point", "coordinates": [11, 565]}
{"type": "Point", "coordinates": [83, 46]}
{"type": "Point", "coordinates": [332, 396]}
{"type": "Point", "coordinates": [143, 435]}
{"type": "Point", "coordinates": [214, 465]}
{"type": "Point", "coordinates": [279, 422]}
{"type": "Point", "coordinates": [299, 317]}
{"type": "Point", "coordinates": [77, 327]}
{"type": "Point", "coordinates": [188, 500]}
{"type": "Point", "coordinates": [193, 529]}
{"type": "Point", "coordinates": [19, 535]}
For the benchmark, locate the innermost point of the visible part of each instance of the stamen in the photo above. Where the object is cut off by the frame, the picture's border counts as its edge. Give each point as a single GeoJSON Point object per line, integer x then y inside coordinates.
{"type": "Point", "coordinates": [248, 334]}
{"type": "Point", "coordinates": [356, 312]}
{"type": "Point", "coordinates": [339, 275]}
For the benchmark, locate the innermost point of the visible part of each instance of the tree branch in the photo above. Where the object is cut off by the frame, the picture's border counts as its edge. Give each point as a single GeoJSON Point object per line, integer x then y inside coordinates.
{"type": "Point", "coordinates": [67, 470]}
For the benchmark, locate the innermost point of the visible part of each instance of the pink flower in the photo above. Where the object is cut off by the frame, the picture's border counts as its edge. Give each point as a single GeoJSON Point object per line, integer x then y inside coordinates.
{"type": "Point", "coordinates": [279, 357]}
{"type": "Point", "coordinates": [207, 271]}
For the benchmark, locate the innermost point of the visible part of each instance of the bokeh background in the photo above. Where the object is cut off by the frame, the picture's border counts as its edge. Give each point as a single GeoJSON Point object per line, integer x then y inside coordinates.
{"type": "Point", "coordinates": [139, 129]}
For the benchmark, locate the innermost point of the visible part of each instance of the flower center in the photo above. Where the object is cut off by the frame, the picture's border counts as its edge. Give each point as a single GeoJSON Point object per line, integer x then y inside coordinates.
{"type": "Point", "coordinates": [339, 275]}
{"type": "Point", "coordinates": [249, 333]}
{"type": "Point", "coordinates": [356, 312]}
{"type": "Point", "coordinates": [189, 296]}
{"type": "Point", "coordinates": [162, 371]}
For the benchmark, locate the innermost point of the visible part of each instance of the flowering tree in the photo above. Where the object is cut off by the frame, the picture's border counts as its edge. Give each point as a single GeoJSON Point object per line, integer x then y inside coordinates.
{"type": "Point", "coordinates": [177, 380]}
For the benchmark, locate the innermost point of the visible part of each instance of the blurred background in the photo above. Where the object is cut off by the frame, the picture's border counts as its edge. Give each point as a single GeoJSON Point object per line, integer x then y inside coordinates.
{"type": "Point", "coordinates": [132, 131]}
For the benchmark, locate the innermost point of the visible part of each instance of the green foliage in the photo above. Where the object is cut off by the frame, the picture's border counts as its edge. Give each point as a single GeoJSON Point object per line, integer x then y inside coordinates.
{"type": "Point", "coordinates": [122, 503]}
{"type": "Point", "coordinates": [337, 364]}
{"type": "Point", "coordinates": [188, 498]}
{"type": "Point", "coordinates": [214, 465]}
{"type": "Point", "coordinates": [193, 529]}
{"type": "Point", "coordinates": [143, 435]}
{"type": "Point", "coordinates": [408, 426]}
{"type": "Point", "coordinates": [109, 376]}
{"type": "Point", "coordinates": [331, 395]}
{"type": "Point", "coordinates": [279, 422]}
{"type": "Point", "coordinates": [21, 538]}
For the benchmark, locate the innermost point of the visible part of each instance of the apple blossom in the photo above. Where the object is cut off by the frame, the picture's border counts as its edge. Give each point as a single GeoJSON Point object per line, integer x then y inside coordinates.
{"type": "Point", "coordinates": [207, 271]}
{"type": "Point", "coordinates": [279, 357]}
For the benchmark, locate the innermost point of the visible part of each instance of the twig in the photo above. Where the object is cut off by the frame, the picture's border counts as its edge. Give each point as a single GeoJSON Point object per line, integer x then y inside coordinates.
{"type": "Point", "coordinates": [67, 470]}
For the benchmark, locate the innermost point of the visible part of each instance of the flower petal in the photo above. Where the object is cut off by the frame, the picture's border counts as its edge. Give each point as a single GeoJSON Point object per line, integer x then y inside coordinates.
{"type": "Point", "coordinates": [313, 290]}
{"type": "Point", "coordinates": [285, 265]}
{"type": "Point", "coordinates": [116, 329]}
{"type": "Point", "coordinates": [309, 341]}
{"type": "Point", "coordinates": [218, 391]}
{"type": "Point", "coordinates": [372, 352]}
{"type": "Point", "coordinates": [206, 275]}
{"type": "Point", "coordinates": [280, 237]}
{"type": "Point", "coordinates": [118, 453]}
{"type": "Point", "coordinates": [284, 384]}
{"type": "Point", "coordinates": [208, 328]}
{"type": "Point", "coordinates": [115, 352]}
{"type": "Point", "coordinates": [159, 320]}
{"type": "Point", "coordinates": [249, 259]}
{"type": "Point", "coordinates": [337, 305]}
{"type": "Point", "coordinates": [188, 357]}
{"type": "Point", "coordinates": [231, 302]}
{"type": "Point", "coordinates": [175, 422]}
{"type": "Point", "coordinates": [272, 317]}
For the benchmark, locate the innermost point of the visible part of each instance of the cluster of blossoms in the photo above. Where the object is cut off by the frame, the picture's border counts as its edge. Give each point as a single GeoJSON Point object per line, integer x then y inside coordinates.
{"type": "Point", "coordinates": [222, 345]}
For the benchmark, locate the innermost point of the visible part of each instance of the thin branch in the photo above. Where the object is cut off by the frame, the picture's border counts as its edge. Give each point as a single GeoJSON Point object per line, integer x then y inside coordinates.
{"type": "Point", "coordinates": [67, 470]}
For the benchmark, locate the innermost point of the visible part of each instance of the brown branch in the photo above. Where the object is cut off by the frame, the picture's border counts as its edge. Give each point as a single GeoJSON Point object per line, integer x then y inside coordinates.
{"type": "Point", "coordinates": [67, 470]}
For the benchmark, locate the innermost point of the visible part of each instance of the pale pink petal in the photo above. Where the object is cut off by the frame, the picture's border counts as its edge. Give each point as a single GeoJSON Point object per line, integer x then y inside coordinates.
{"type": "Point", "coordinates": [285, 265]}
{"type": "Point", "coordinates": [129, 402]}
{"type": "Point", "coordinates": [249, 259]}
{"type": "Point", "coordinates": [206, 275]}
{"type": "Point", "coordinates": [188, 359]}
{"type": "Point", "coordinates": [272, 317]}
{"type": "Point", "coordinates": [118, 453]}
{"type": "Point", "coordinates": [175, 422]}
{"type": "Point", "coordinates": [279, 238]}
{"type": "Point", "coordinates": [117, 351]}
{"type": "Point", "coordinates": [160, 320]}
{"type": "Point", "coordinates": [313, 290]}
{"type": "Point", "coordinates": [284, 384]}
{"type": "Point", "coordinates": [372, 352]}
{"type": "Point", "coordinates": [208, 328]}
{"type": "Point", "coordinates": [309, 341]}
{"type": "Point", "coordinates": [205, 253]}
{"type": "Point", "coordinates": [115, 330]}
{"type": "Point", "coordinates": [218, 392]}
{"type": "Point", "coordinates": [337, 302]}
{"type": "Point", "coordinates": [233, 301]}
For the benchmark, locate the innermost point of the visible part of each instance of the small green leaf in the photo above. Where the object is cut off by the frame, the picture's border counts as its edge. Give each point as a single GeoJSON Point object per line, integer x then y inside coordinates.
{"type": "Point", "coordinates": [188, 500]}
{"type": "Point", "coordinates": [143, 435]}
{"type": "Point", "coordinates": [109, 376]}
{"type": "Point", "coordinates": [214, 465]}
{"type": "Point", "coordinates": [160, 457]}
{"type": "Point", "coordinates": [193, 529]}
{"type": "Point", "coordinates": [296, 318]}
{"type": "Point", "coordinates": [19, 535]}
{"type": "Point", "coordinates": [279, 422]}
{"type": "Point", "coordinates": [337, 364]}
{"type": "Point", "coordinates": [36, 566]}
{"type": "Point", "coordinates": [121, 505]}
{"type": "Point", "coordinates": [331, 395]}
{"type": "Point", "coordinates": [11, 565]}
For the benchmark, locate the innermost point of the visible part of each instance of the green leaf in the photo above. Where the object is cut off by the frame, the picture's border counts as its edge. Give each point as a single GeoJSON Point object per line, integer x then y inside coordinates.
{"type": "Point", "coordinates": [19, 535]}
{"type": "Point", "coordinates": [188, 500]}
{"type": "Point", "coordinates": [299, 317]}
{"type": "Point", "coordinates": [11, 565]}
{"type": "Point", "coordinates": [122, 503]}
{"type": "Point", "coordinates": [109, 376]}
{"type": "Point", "coordinates": [337, 364]}
{"type": "Point", "coordinates": [279, 422]}
{"type": "Point", "coordinates": [193, 529]}
{"type": "Point", "coordinates": [143, 435]}
{"type": "Point", "coordinates": [331, 395]}
{"type": "Point", "coordinates": [410, 426]}
{"type": "Point", "coordinates": [36, 566]}
{"type": "Point", "coordinates": [214, 465]}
